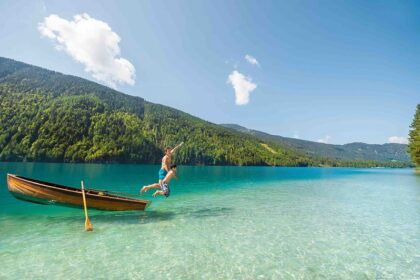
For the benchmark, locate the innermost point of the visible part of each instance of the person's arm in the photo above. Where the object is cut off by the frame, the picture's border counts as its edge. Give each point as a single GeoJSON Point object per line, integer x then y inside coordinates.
{"type": "Point", "coordinates": [179, 145]}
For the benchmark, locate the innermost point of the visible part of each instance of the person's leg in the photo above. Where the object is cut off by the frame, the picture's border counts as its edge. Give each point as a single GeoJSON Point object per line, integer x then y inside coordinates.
{"type": "Point", "coordinates": [152, 186]}
{"type": "Point", "coordinates": [164, 190]}
{"type": "Point", "coordinates": [157, 193]}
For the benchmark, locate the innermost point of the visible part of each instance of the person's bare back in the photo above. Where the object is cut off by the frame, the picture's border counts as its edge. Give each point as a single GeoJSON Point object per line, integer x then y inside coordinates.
{"type": "Point", "coordinates": [171, 174]}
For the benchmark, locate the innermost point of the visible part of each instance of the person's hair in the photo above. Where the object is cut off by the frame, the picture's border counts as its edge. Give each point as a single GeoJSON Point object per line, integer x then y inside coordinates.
{"type": "Point", "coordinates": [167, 148]}
{"type": "Point", "coordinates": [173, 166]}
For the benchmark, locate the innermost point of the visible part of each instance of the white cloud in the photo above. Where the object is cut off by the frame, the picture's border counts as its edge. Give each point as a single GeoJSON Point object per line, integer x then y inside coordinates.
{"type": "Point", "coordinates": [242, 85]}
{"type": "Point", "coordinates": [324, 140]}
{"type": "Point", "coordinates": [252, 60]}
{"type": "Point", "coordinates": [398, 140]}
{"type": "Point", "coordinates": [296, 135]}
{"type": "Point", "coordinates": [92, 43]}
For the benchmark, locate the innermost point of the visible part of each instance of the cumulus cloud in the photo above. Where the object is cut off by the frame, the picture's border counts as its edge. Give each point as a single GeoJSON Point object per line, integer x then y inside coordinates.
{"type": "Point", "coordinates": [242, 86]}
{"type": "Point", "coordinates": [92, 43]}
{"type": "Point", "coordinates": [324, 140]}
{"type": "Point", "coordinates": [252, 60]}
{"type": "Point", "coordinates": [398, 140]}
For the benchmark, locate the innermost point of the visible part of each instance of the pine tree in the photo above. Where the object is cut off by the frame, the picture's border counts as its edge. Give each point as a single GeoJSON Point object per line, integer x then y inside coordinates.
{"type": "Point", "coordinates": [414, 139]}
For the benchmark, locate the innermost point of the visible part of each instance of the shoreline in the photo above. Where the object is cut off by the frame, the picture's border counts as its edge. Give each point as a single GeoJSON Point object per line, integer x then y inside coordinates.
{"type": "Point", "coordinates": [417, 169]}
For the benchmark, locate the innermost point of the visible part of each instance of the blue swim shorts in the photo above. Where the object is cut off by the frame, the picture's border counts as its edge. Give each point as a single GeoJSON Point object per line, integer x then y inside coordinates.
{"type": "Point", "coordinates": [162, 174]}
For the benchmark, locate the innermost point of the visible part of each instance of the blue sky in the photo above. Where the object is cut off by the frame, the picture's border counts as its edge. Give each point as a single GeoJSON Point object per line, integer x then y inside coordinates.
{"type": "Point", "coordinates": [332, 71]}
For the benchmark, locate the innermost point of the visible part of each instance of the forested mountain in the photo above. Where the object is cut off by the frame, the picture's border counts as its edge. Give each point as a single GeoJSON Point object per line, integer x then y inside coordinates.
{"type": "Point", "coordinates": [48, 116]}
{"type": "Point", "coordinates": [352, 151]}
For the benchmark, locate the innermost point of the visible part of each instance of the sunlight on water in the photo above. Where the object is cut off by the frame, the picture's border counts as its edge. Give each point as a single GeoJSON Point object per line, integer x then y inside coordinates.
{"type": "Point", "coordinates": [219, 223]}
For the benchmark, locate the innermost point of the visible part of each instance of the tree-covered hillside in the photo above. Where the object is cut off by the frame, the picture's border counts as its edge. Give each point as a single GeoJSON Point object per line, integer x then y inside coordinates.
{"type": "Point", "coordinates": [352, 151]}
{"type": "Point", "coordinates": [48, 116]}
{"type": "Point", "coordinates": [414, 144]}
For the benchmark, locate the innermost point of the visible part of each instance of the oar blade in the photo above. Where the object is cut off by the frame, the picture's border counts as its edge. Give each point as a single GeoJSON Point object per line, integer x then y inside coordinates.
{"type": "Point", "coordinates": [88, 225]}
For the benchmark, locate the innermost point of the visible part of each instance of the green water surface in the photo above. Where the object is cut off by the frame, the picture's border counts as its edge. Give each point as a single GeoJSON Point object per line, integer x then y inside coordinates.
{"type": "Point", "coordinates": [219, 223]}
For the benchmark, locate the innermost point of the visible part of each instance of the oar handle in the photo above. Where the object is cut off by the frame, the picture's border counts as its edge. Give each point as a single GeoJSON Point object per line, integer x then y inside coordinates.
{"type": "Point", "coordinates": [88, 225]}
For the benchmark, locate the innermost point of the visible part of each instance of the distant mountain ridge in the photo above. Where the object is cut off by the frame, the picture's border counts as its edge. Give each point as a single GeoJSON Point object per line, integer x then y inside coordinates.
{"type": "Point", "coordinates": [351, 151]}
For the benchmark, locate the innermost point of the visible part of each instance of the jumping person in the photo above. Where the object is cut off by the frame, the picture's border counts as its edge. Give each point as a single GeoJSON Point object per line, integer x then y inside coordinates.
{"type": "Point", "coordinates": [166, 161]}
{"type": "Point", "coordinates": [163, 184]}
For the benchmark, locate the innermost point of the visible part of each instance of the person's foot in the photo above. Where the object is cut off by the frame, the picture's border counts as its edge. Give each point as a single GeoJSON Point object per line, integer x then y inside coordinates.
{"type": "Point", "coordinates": [143, 189]}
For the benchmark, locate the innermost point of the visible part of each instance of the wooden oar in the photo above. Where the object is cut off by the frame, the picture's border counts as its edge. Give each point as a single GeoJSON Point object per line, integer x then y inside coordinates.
{"type": "Point", "coordinates": [88, 225]}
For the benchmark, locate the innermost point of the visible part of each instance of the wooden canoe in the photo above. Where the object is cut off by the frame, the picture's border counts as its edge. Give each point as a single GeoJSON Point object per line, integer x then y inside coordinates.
{"type": "Point", "coordinates": [48, 193]}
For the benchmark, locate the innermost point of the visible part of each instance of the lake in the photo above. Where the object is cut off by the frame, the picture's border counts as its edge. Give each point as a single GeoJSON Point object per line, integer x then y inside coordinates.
{"type": "Point", "coordinates": [219, 223]}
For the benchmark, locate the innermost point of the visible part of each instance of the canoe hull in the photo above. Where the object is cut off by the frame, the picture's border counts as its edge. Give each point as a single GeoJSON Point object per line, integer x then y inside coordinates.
{"type": "Point", "coordinates": [47, 193]}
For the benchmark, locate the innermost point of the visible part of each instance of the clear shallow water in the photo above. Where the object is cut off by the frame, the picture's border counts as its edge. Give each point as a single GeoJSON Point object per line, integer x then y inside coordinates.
{"type": "Point", "coordinates": [219, 223]}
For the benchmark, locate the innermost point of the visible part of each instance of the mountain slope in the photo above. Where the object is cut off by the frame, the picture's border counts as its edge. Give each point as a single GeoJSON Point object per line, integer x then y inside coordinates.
{"type": "Point", "coordinates": [352, 151]}
{"type": "Point", "coordinates": [48, 116]}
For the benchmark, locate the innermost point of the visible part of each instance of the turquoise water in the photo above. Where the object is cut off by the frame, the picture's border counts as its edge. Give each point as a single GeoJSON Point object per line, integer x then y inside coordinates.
{"type": "Point", "coordinates": [219, 223]}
